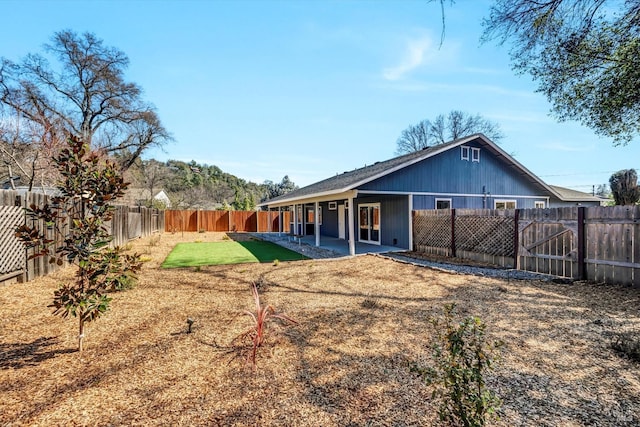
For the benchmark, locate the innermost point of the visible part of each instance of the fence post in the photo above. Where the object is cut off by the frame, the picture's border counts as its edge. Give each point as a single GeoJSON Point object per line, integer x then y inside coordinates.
{"type": "Point", "coordinates": [453, 233]}
{"type": "Point", "coordinates": [581, 244]}
{"type": "Point", "coordinates": [516, 239]}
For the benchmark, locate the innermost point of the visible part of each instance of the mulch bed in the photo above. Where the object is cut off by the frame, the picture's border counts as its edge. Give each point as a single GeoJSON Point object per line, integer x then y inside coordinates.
{"type": "Point", "coordinates": [363, 322]}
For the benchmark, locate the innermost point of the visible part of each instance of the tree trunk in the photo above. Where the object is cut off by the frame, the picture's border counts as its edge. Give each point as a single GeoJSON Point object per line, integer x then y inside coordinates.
{"type": "Point", "coordinates": [81, 334]}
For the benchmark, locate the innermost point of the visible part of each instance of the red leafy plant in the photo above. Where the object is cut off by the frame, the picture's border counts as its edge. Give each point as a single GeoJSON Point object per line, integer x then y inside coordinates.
{"type": "Point", "coordinates": [259, 319]}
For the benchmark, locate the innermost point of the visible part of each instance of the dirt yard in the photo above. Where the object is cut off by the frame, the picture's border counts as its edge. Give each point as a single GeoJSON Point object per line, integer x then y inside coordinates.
{"type": "Point", "coordinates": [363, 322]}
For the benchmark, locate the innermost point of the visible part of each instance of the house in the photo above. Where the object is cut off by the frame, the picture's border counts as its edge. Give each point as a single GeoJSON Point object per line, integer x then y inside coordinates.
{"type": "Point", "coordinates": [374, 203]}
{"type": "Point", "coordinates": [142, 197]}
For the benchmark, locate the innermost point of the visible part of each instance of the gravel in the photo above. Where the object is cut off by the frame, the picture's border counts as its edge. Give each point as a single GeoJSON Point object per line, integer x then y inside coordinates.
{"type": "Point", "coordinates": [501, 273]}
{"type": "Point", "coordinates": [320, 253]}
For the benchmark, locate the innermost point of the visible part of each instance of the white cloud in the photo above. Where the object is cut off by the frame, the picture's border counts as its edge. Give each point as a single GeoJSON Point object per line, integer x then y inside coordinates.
{"type": "Point", "coordinates": [417, 52]}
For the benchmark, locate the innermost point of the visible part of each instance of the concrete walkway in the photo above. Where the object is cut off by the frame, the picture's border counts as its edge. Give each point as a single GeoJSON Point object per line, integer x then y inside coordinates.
{"type": "Point", "coordinates": [330, 247]}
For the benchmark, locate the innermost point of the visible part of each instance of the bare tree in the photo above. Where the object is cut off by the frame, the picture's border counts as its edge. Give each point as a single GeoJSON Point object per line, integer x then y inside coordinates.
{"type": "Point", "coordinates": [150, 175]}
{"type": "Point", "coordinates": [85, 94]}
{"type": "Point", "coordinates": [414, 138]}
{"type": "Point", "coordinates": [26, 147]}
{"type": "Point", "coordinates": [456, 124]}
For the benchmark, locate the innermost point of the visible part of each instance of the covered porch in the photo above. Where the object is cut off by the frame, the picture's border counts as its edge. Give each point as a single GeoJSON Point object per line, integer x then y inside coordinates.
{"type": "Point", "coordinates": [347, 222]}
{"type": "Point", "coordinates": [338, 246]}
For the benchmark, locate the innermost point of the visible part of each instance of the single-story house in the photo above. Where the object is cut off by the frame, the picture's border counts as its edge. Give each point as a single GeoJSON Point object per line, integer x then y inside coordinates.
{"type": "Point", "coordinates": [374, 203]}
{"type": "Point", "coordinates": [142, 197]}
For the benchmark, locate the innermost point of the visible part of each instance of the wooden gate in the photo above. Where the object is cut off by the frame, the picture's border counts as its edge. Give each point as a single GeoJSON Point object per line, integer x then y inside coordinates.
{"type": "Point", "coordinates": [548, 241]}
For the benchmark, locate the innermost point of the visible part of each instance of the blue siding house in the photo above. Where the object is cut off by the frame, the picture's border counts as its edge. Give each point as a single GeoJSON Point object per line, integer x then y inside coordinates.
{"type": "Point", "coordinates": [374, 203]}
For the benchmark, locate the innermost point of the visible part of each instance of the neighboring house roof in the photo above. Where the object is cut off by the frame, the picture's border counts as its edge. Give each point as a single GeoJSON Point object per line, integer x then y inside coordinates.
{"type": "Point", "coordinates": [353, 179]}
{"type": "Point", "coordinates": [134, 196]}
{"type": "Point", "coordinates": [570, 195]}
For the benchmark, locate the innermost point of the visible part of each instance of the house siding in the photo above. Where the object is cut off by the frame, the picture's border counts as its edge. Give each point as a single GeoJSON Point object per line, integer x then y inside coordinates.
{"type": "Point", "coordinates": [475, 202]}
{"type": "Point", "coordinates": [555, 203]}
{"type": "Point", "coordinates": [329, 225]}
{"type": "Point", "coordinates": [394, 219]}
{"type": "Point", "coordinates": [448, 173]}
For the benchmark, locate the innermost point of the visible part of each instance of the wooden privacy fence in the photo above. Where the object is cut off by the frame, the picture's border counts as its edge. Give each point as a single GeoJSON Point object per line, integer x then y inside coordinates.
{"type": "Point", "coordinates": [236, 221]}
{"type": "Point", "coordinates": [128, 223]}
{"type": "Point", "coordinates": [596, 243]}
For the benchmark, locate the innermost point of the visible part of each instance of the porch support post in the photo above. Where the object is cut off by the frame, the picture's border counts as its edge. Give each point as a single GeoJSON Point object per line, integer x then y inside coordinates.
{"type": "Point", "coordinates": [352, 233]}
{"type": "Point", "coordinates": [303, 220]}
{"type": "Point", "coordinates": [410, 204]}
{"type": "Point", "coordinates": [279, 221]}
{"type": "Point", "coordinates": [316, 218]}
{"type": "Point", "coordinates": [295, 219]}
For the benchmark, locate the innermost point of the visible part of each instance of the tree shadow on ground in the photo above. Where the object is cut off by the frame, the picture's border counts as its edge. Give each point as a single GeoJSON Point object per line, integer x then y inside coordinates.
{"type": "Point", "coordinates": [20, 355]}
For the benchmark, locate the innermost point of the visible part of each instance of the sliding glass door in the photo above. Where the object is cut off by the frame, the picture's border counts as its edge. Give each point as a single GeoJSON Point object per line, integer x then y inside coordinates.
{"type": "Point", "coordinates": [369, 219]}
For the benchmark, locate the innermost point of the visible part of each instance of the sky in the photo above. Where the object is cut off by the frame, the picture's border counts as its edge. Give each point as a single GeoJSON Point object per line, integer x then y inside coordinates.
{"type": "Point", "coordinates": [311, 88]}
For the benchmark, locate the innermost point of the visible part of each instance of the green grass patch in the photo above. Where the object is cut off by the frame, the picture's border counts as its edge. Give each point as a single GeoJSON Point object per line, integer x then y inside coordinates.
{"type": "Point", "coordinates": [227, 252]}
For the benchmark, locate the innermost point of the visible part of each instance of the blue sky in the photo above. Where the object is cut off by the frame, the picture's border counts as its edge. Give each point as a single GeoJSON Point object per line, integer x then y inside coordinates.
{"type": "Point", "coordinates": [308, 89]}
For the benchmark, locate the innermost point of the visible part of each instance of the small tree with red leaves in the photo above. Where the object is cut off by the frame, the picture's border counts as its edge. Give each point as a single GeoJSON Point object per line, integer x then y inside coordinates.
{"type": "Point", "coordinates": [79, 213]}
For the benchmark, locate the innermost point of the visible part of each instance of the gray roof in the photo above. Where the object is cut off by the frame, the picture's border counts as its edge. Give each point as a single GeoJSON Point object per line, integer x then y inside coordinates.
{"type": "Point", "coordinates": [353, 179]}
{"type": "Point", "coordinates": [349, 180]}
{"type": "Point", "coordinates": [570, 195]}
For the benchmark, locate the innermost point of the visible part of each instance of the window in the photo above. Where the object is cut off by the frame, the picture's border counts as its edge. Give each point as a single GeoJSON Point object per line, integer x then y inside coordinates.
{"type": "Point", "coordinates": [470, 153]}
{"type": "Point", "coordinates": [464, 153]}
{"type": "Point", "coordinates": [475, 155]}
{"type": "Point", "coordinates": [443, 203]}
{"type": "Point", "coordinates": [311, 218]}
{"type": "Point", "coordinates": [333, 206]}
{"type": "Point", "coordinates": [504, 204]}
{"type": "Point", "coordinates": [539, 205]}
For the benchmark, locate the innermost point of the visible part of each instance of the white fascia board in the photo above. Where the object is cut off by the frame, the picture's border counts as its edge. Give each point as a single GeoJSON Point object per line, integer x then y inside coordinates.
{"type": "Point", "coordinates": [319, 197]}
{"type": "Point", "coordinates": [428, 193]}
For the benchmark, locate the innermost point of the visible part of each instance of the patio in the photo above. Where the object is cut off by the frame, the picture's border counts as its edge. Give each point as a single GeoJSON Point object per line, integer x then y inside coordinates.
{"type": "Point", "coordinates": [339, 247]}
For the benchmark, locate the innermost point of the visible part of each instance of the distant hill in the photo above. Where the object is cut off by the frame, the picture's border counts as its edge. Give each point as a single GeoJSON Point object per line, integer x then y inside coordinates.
{"type": "Point", "coordinates": [201, 186]}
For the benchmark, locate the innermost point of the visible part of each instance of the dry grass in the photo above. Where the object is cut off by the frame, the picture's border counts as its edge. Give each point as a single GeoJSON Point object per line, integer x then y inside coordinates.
{"type": "Point", "coordinates": [362, 322]}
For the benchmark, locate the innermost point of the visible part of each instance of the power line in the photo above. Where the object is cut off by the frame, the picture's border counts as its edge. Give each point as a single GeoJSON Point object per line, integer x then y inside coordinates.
{"type": "Point", "coordinates": [575, 174]}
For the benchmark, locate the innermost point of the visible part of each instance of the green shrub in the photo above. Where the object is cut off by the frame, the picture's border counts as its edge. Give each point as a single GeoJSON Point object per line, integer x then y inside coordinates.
{"type": "Point", "coordinates": [461, 358]}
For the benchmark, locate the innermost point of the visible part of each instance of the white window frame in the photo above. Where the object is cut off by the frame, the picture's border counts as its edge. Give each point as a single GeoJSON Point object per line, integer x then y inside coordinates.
{"type": "Point", "coordinates": [505, 201]}
{"type": "Point", "coordinates": [475, 154]}
{"type": "Point", "coordinates": [464, 152]}
{"type": "Point", "coordinates": [539, 204]}
{"type": "Point", "coordinates": [435, 203]}
{"type": "Point", "coordinates": [333, 206]}
{"type": "Point", "coordinates": [309, 209]}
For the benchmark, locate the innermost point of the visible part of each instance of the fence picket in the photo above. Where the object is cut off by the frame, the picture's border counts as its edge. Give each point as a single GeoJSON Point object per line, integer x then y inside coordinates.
{"type": "Point", "coordinates": [547, 240]}
{"type": "Point", "coordinates": [13, 257]}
